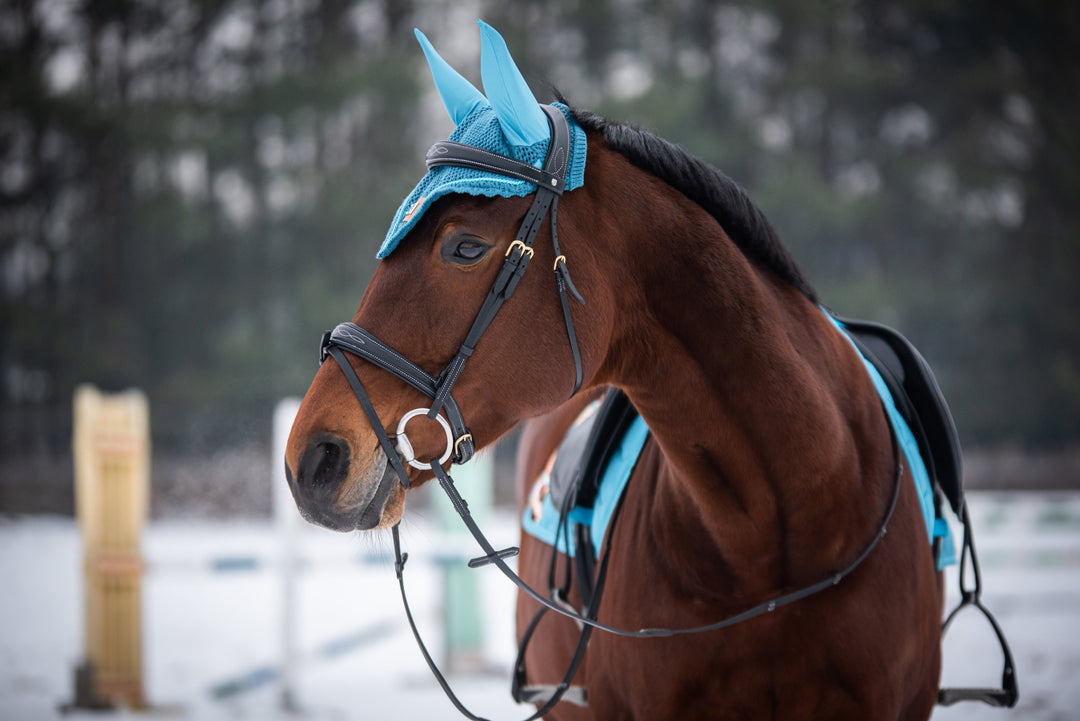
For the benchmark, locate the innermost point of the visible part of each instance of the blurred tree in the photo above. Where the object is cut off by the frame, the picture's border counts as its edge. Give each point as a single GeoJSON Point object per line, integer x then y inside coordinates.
{"type": "Point", "coordinates": [188, 189]}
{"type": "Point", "coordinates": [915, 155]}
{"type": "Point", "coordinates": [191, 190]}
{"type": "Point", "coordinates": [1002, 169]}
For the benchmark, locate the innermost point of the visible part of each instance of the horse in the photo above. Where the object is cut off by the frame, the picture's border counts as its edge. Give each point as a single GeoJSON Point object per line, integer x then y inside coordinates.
{"type": "Point", "coordinates": [769, 463]}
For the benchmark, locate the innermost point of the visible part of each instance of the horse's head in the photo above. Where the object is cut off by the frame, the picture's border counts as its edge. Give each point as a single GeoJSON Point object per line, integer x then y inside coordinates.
{"type": "Point", "coordinates": [448, 251]}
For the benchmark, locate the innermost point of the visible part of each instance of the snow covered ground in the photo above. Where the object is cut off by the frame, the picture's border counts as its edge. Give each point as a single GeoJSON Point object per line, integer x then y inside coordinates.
{"type": "Point", "coordinates": [212, 638]}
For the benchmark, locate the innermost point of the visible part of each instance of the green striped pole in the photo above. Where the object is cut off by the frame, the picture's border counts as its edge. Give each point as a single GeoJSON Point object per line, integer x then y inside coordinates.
{"type": "Point", "coordinates": [463, 612]}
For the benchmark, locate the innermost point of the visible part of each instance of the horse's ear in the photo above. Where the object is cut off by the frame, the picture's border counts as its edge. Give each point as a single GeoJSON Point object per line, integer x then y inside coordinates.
{"type": "Point", "coordinates": [458, 94]}
{"type": "Point", "coordinates": [522, 120]}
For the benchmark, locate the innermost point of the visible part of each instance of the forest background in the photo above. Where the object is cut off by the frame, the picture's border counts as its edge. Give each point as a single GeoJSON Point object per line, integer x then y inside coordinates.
{"type": "Point", "coordinates": [191, 191]}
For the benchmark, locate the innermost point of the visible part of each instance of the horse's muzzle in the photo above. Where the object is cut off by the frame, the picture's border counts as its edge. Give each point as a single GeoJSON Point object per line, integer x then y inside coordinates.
{"type": "Point", "coordinates": [337, 491]}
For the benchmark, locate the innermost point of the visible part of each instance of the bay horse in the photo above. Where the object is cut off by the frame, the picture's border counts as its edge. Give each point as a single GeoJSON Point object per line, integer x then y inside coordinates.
{"type": "Point", "coordinates": [769, 463]}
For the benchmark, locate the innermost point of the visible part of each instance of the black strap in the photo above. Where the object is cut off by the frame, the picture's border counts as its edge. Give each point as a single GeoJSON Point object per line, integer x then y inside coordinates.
{"type": "Point", "coordinates": [565, 284]}
{"type": "Point", "coordinates": [591, 587]}
{"type": "Point", "coordinates": [768, 606]}
{"type": "Point", "coordinates": [550, 183]}
{"type": "Point", "coordinates": [1009, 693]}
{"type": "Point", "coordinates": [589, 618]}
{"type": "Point", "coordinates": [446, 152]}
{"type": "Point", "coordinates": [551, 177]}
{"type": "Point", "coordinates": [495, 556]}
{"type": "Point", "coordinates": [373, 417]}
{"type": "Point", "coordinates": [361, 343]}
{"type": "Point", "coordinates": [513, 268]}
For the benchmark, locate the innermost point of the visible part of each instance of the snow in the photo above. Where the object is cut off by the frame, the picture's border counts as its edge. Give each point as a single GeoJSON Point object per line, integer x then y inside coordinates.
{"type": "Point", "coordinates": [210, 636]}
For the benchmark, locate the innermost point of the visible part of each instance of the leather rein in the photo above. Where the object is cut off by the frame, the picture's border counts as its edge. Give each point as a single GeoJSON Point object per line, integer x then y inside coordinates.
{"type": "Point", "coordinates": [350, 338]}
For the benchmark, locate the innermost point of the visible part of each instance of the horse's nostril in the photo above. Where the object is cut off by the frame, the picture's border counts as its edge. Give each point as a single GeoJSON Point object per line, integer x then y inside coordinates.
{"type": "Point", "coordinates": [325, 463]}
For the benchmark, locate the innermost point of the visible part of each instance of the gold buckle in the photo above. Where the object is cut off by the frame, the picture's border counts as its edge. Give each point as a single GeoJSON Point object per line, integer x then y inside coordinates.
{"type": "Point", "coordinates": [459, 441]}
{"type": "Point", "coordinates": [560, 259]}
{"type": "Point", "coordinates": [524, 249]}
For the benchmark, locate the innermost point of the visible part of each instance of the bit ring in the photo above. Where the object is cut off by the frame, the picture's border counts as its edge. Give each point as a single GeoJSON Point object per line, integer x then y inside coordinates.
{"type": "Point", "coordinates": [404, 447]}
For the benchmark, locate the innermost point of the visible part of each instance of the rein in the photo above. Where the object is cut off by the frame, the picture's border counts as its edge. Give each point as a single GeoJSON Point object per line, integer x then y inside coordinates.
{"type": "Point", "coordinates": [348, 337]}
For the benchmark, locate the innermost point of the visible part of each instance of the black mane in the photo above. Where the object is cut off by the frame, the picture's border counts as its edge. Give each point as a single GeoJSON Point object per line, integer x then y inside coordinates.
{"type": "Point", "coordinates": [718, 194]}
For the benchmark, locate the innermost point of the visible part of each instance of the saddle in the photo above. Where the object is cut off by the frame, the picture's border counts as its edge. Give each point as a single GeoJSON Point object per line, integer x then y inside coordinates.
{"type": "Point", "coordinates": [579, 467]}
{"type": "Point", "coordinates": [918, 397]}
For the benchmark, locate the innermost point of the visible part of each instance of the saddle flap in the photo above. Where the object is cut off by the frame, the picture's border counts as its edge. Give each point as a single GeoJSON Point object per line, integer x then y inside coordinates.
{"type": "Point", "coordinates": [919, 399]}
{"type": "Point", "coordinates": [585, 450]}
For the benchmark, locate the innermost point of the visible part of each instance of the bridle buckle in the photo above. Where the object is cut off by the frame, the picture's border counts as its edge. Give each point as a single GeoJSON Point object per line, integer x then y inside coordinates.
{"type": "Point", "coordinates": [525, 250]}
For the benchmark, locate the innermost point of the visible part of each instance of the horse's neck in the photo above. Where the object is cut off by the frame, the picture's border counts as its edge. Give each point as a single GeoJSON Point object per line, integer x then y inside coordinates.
{"type": "Point", "coordinates": [765, 418]}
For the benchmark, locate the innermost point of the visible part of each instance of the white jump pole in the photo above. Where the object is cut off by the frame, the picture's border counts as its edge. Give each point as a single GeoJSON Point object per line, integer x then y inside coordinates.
{"type": "Point", "coordinates": [286, 519]}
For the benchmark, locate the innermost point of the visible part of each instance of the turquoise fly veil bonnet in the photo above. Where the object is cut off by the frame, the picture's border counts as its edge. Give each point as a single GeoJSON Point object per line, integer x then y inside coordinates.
{"type": "Point", "coordinates": [508, 121]}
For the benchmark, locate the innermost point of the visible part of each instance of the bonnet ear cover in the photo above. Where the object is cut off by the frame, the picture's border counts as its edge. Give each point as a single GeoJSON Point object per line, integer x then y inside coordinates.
{"type": "Point", "coordinates": [458, 94]}
{"type": "Point", "coordinates": [508, 122]}
{"type": "Point", "coordinates": [523, 122]}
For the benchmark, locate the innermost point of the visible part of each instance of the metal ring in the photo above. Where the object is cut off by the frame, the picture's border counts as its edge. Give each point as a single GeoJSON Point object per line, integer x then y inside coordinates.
{"type": "Point", "coordinates": [405, 448]}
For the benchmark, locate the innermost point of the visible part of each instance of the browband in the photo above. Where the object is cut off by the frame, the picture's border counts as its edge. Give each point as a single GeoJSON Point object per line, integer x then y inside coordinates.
{"type": "Point", "coordinates": [552, 176]}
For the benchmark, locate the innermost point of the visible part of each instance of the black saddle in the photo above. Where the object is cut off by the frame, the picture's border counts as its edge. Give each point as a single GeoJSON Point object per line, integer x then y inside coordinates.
{"type": "Point", "coordinates": [918, 397]}
{"type": "Point", "coordinates": [586, 449]}
{"type": "Point", "coordinates": [579, 466]}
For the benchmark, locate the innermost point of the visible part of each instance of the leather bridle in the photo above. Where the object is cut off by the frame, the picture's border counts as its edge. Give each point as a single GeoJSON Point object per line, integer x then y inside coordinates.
{"type": "Point", "coordinates": [550, 181]}
{"type": "Point", "coordinates": [348, 337]}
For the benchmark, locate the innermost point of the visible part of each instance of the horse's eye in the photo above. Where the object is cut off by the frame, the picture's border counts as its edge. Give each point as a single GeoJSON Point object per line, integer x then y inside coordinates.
{"type": "Point", "coordinates": [470, 250]}
{"type": "Point", "coordinates": [464, 251]}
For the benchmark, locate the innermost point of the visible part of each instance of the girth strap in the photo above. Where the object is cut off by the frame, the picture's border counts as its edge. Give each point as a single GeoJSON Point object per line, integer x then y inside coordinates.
{"type": "Point", "coordinates": [539, 693]}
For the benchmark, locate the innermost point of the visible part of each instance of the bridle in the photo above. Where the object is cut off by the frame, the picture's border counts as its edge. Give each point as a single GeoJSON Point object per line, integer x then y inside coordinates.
{"type": "Point", "coordinates": [550, 181]}
{"type": "Point", "coordinates": [348, 337]}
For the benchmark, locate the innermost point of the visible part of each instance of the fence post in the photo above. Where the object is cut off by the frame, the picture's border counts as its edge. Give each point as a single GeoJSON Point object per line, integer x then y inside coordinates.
{"type": "Point", "coordinates": [463, 616]}
{"type": "Point", "coordinates": [286, 519]}
{"type": "Point", "coordinates": [111, 447]}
